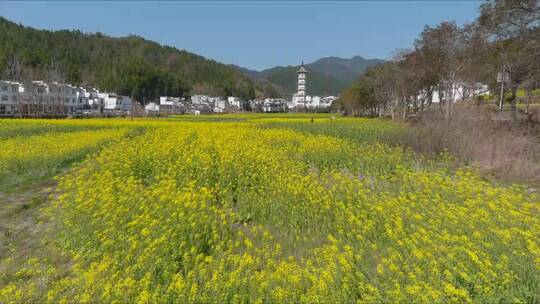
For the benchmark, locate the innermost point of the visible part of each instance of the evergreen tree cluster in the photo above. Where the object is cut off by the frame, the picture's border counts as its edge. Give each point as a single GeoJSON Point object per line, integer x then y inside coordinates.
{"type": "Point", "coordinates": [126, 65]}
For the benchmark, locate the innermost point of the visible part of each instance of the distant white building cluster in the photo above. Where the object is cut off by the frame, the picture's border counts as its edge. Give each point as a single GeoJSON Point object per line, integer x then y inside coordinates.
{"type": "Point", "coordinates": [58, 98]}
{"type": "Point", "coordinates": [197, 104]}
{"type": "Point", "coordinates": [53, 98]}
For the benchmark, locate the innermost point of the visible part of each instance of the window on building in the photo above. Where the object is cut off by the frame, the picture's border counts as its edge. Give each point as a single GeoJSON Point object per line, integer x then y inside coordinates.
{"type": "Point", "coordinates": [4, 98]}
{"type": "Point", "coordinates": [4, 88]}
{"type": "Point", "coordinates": [14, 97]}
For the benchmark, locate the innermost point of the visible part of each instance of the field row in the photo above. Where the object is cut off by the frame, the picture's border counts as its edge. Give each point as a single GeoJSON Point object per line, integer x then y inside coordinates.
{"type": "Point", "coordinates": [279, 210]}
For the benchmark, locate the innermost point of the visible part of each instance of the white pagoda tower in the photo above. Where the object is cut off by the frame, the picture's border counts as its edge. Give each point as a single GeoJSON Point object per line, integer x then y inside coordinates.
{"type": "Point", "coordinates": [300, 97]}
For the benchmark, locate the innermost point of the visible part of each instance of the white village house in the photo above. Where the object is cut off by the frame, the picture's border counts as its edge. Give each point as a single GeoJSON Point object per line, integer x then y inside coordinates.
{"type": "Point", "coordinates": [460, 92]}
{"type": "Point", "coordinates": [9, 96]}
{"type": "Point", "coordinates": [151, 108]}
{"type": "Point", "coordinates": [234, 102]}
{"type": "Point", "coordinates": [171, 105]}
{"type": "Point", "coordinates": [273, 105]}
{"type": "Point", "coordinates": [114, 102]}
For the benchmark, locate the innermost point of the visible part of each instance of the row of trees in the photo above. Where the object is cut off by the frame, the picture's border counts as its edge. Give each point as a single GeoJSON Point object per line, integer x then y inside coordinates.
{"type": "Point", "coordinates": [504, 41]}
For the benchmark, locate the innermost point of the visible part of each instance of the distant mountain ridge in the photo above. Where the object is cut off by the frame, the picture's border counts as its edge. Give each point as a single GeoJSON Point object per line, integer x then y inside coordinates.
{"type": "Point", "coordinates": [346, 70]}
{"type": "Point", "coordinates": [326, 76]}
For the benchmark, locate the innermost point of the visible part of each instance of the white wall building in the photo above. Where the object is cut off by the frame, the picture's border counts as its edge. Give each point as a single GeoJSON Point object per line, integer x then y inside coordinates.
{"type": "Point", "coordinates": [327, 101]}
{"type": "Point", "coordinates": [94, 99]}
{"type": "Point", "coordinates": [274, 105]}
{"type": "Point", "coordinates": [70, 98]}
{"type": "Point", "coordinates": [45, 96]}
{"type": "Point", "coordinates": [54, 97]}
{"type": "Point", "coordinates": [10, 94]}
{"type": "Point", "coordinates": [199, 99]}
{"type": "Point", "coordinates": [113, 102]}
{"type": "Point", "coordinates": [218, 109]}
{"type": "Point", "coordinates": [460, 92]}
{"type": "Point", "coordinates": [172, 105]}
{"type": "Point", "coordinates": [151, 108]}
{"type": "Point", "coordinates": [170, 101]}
{"type": "Point", "coordinates": [313, 102]}
{"type": "Point", "coordinates": [234, 102]}
{"type": "Point", "coordinates": [83, 97]}
{"type": "Point", "coordinates": [220, 103]}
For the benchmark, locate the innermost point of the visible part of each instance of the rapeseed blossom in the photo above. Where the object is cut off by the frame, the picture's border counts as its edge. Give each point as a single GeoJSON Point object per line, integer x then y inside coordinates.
{"type": "Point", "coordinates": [281, 210]}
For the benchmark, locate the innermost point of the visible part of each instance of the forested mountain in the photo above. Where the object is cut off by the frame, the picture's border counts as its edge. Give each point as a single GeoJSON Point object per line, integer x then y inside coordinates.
{"type": "Point", "coordinates": [127, 65]}
{"type": "Point", "coordinates": [342, 69]}
{"type": "Point", "coordinates": [329, 75]}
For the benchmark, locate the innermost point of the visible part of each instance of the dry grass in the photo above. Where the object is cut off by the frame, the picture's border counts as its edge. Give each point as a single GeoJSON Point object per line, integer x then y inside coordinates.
{"type": "Point", "coordinates": [508, 150]}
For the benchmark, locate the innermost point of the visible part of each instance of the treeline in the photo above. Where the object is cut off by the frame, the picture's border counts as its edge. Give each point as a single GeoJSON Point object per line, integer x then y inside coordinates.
{"type": "Point", "coordinates": [129, 65]}
{"type": "Point", "coordinates": [503, 43]}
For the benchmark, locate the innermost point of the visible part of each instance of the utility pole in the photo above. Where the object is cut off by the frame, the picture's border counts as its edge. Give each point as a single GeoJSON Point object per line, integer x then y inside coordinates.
{"type": "Point", "coordinates": [501, 79]}
{"type": "Point", "coordinates": [132, 105]}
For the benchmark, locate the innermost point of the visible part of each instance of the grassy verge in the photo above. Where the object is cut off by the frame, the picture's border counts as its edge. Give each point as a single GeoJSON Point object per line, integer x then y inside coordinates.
{"type": "Point", "coordinates": [506, 151]}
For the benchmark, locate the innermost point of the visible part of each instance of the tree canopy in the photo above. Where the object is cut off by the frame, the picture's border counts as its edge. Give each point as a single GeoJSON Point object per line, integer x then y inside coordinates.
{"type": "Point", "coordinates": [505, 38]}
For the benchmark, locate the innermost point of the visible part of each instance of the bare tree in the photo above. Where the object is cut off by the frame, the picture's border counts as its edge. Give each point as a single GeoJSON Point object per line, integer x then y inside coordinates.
{"type": "Point", "coordinates": [478, 67]}
{"type": "Point", "coordinates": [514, 27]}
{"type": "Point", "coordinates": [386, 84]}
{"type": "Point", "coordinates": [444, 44]}
{"type": "Point", "coordinates": [14, 69]}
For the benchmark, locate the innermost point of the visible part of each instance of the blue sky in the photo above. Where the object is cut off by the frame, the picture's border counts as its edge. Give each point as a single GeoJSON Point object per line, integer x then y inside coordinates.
{"type": "Point", "coordinates": [255, 35]}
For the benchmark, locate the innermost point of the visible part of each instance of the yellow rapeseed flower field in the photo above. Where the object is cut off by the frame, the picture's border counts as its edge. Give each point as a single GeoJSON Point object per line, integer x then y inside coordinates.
{"type": "Point", "coordinates": [268, 209]}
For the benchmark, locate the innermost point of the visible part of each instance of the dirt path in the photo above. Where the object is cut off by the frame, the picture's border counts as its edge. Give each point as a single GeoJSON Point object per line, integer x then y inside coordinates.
{"type": "Point", "coordinates": [23, 231]}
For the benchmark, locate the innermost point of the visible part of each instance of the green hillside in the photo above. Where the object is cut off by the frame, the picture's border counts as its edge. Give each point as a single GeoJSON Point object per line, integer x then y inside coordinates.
{"type": "Point", "coordinates": [126, 65]}
{"type": "Point", "coordinates": [317, 83]}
